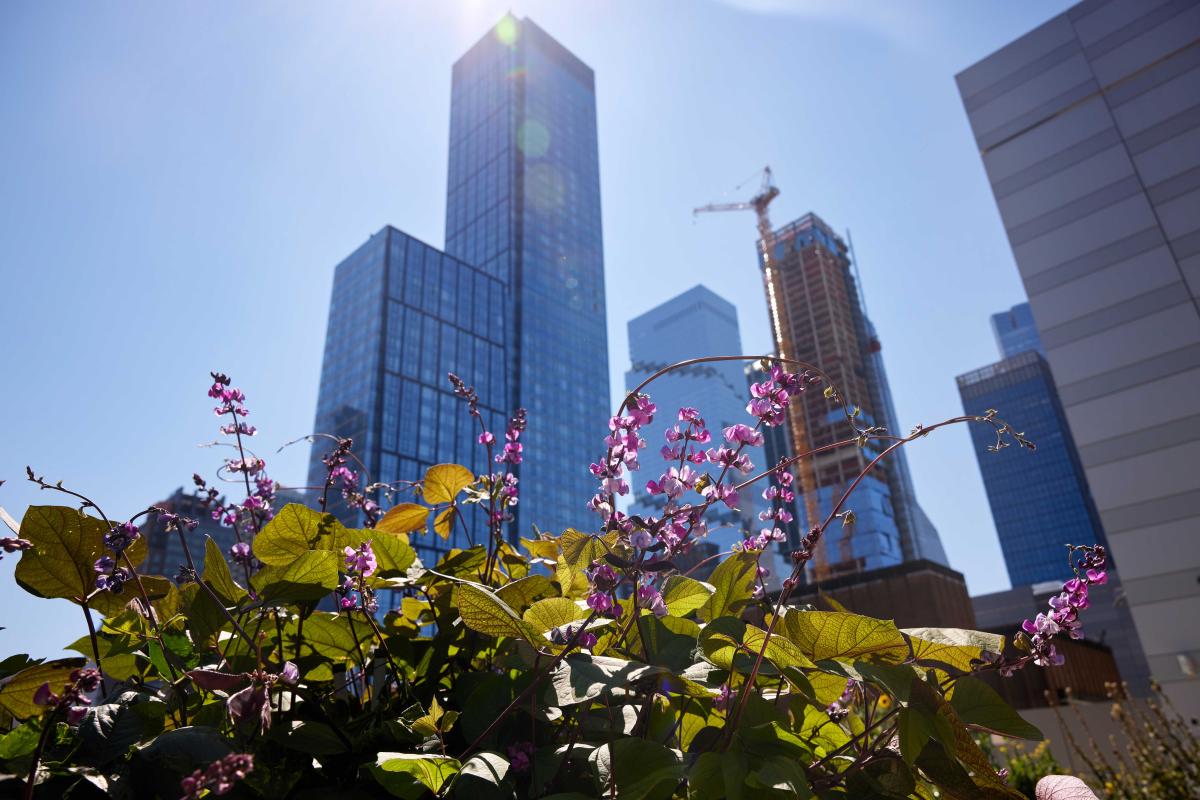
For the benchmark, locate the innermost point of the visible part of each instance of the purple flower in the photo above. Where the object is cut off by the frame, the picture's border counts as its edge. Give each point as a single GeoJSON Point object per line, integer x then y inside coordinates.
{"type": "Point", "coordinates": [290, 674]}
{"type": "Point", "coordinates": [487, 438]}
{"type": "Point", "coordinates": [743, 434]}
{"type": "Point", "coordinates": [219, 777]}
{"type": "Point", "coordinates": [649, 597]}
{"type": "Point", "coordinates": [240, 552]}
{"type": "Point", "coordinates": [600, 602]}
{"type": "Point", "coordinates": [360, 560]}
{"type": "Point", "coordinates": [641, 539]}
{"type": "Point", "coordinates": [723, 698]}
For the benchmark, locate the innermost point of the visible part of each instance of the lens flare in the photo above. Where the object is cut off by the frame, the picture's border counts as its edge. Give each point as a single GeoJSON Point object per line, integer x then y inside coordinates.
{"type": "Point", "coordinates": [507, 31]}
{"type": "Point", "coordinates": [533, 138]}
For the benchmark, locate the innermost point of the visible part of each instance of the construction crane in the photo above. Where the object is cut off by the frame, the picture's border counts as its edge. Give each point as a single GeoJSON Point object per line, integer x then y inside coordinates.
{"type": "Point", "coordinates": [767, 192]}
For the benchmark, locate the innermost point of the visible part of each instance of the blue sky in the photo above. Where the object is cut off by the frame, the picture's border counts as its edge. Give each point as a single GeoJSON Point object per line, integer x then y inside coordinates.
{"type": "Point", "coordinates": [180, 179]}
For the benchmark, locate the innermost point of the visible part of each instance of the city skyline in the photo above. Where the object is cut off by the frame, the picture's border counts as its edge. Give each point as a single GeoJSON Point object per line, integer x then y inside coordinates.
{"type": "Point", "coordinates": [220, 273]}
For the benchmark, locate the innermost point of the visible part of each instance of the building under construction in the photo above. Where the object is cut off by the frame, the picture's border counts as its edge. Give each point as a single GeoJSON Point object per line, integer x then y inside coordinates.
{"type": "Point", "coordinates": [817, 316]}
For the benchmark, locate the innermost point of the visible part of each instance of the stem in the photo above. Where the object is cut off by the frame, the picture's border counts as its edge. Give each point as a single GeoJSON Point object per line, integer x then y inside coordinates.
{"type": "Point", "coordinates": [37, 754]}
{"type": "Point", "coordinates": [87, 615]}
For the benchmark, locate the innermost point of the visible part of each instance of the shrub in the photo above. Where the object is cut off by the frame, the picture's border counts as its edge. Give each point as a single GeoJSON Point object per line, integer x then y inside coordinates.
{"type": "Point", "coordinates": [583, 664]}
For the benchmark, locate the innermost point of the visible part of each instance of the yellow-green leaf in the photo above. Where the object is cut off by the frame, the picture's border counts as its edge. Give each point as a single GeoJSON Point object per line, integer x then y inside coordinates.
{"type": "Point", "coordinates": [66, 544]}
{"type": "Point", "coordinates": [294, 531]}
{"type": "Point", "coordinates": [482, 611]}
{"type": "Point", "coordinates": [108, 603]}
{"type": "Point", "coordinates": [684, 595]}
{"type": "Point", "coordinates": [955, 647]}
{"type": "Point", "coordinates": [217, 575]}
{"type": "Point", "coordinates": [16, 692]}
{"type": "Point", "coordinates": [733, 585]}
{"type": "Point", "coordinates": [403, 518]}
{"type": "Point", "coordinates": [730, 643]}
{"type": "Point", "coordinates": [552, 612]}
{"type": "Point", "coordinates": [444, 522]}
{"type": "Point", "coordinates": [393, 553]}
{"type": "Point", "coordinates": [309, 577]}
{"type": "Point", "coordinates": [443, 482]}
{"type": "Point", "coordinates": [838, 634]}
{"type": "Point", "coordinates": [979, 705]}
{"type": "Point", "coordinates": [411, 775]}
{"type": "Point", "coordinates": [581, 549]}
{"type": "Point", "coordinates": [519, 594]}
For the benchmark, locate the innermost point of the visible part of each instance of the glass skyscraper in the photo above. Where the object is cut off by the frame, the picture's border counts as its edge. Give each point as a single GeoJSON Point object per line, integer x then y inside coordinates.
{"type": "Point", "coordinates": [402, 315]}
{"type": "Point", "coordinates": [1016, 331]}
{"type": "Point", "coordinates": [1040, 501]}
{"type": "Point", "coordinates": [524, 205]}
{"type": "Point", "coordinates": [696, 323]}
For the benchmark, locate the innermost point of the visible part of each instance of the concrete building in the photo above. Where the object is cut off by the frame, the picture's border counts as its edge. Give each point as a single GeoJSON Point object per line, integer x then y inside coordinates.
{"type": "Point", "coordinates": [818, 318]}
{"type": "Point", "coordinates": [1089, 131]}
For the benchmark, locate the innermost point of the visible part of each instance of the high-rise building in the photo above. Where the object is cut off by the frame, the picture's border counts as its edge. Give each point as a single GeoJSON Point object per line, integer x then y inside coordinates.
{"type": "Point", "coordinates": [1016, 332]}
{"type": "Point", "coordinates": [1089, 132]}
{"type": "Point", "coordinates": [1040, 501]}
{"type": "Point", "coordinates": [524, 205]}
{"type": "Point", "coordinates": [696, 323]}
{"type": "Point", "coordinates": [165, 555]}
{"type": "Point", "coordinates": [402, 315]}
{"type": "Point", "coordinates": [818, 318]}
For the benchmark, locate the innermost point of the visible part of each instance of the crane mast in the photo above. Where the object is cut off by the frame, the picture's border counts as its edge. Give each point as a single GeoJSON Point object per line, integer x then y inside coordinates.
{"type": "Point", "coordinates": [759, 203]}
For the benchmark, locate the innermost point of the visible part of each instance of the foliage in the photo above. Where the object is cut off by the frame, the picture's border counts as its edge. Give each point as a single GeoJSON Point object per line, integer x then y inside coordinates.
{"type": "Point", "coordinates": [580, 664]}
{"type": "Point", "coordinates": [1156, 756]}
{"type": "Point", "coordinates": [1024, 766]}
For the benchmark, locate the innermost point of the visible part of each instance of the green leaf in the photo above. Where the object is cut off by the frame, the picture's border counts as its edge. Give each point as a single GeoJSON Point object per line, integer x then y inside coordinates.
{"type": "Point", "coordinates": [482, 777]}
{"type": "Point", "coordinates": [109, 730]}
{"type": "Point", "coordinates": [837, 634]}
{"type": "Point", "coordinates": [683, 595]}
{"type": "Point", "coordinates": [895, 679]}
{"type": "Point", "coordinates": [664, 641]}
{"type": "Point", "coordinates": [553, 612]}
{"type": "Point", "coordinates": [579, 549]}
{"type": "Point", "coordinates": [294, 531]}
{"type": "Point", "coordinates": [781, 774]}
{"type": "Point", "coordinates": [393, 553]}
{"type": "Point", "coordinates": [482, 611]}
{"type": "Point", "coordinates": [20, 741]}
{"type": "Point", "coordinates": [330, 634]}
{"type": "Point", "coordinates": [309, 577]}
{"type": "Point", "coordinates": [519, 594]}
{"type": "Point", "coordinates": [580, 677]}
{"type": "Point", "coordinates": [733, 585]}
{"type": "Point", "coordinates": [443, 482]}
{"type": "Point", "coordinates": [411, 775]}
{"type": "Point", "coordinates": [730, 643]}
{"type": "Point", "coordinates": [637, 768]}
{"type": "Point", "coordinates": [216, 574]}
{"type": "Point", "coordinates": [404, 518]}
{"type": "Point", "coordinates": [955, 647]}
{"type": "Point", "coordinates": [66, 544]}
{"type": "Point", "coordinates": [16, 692]}
{"type": "Point", "coordinates": [979, 705]}
{"type": "Point", "coordinates": [109, 604]}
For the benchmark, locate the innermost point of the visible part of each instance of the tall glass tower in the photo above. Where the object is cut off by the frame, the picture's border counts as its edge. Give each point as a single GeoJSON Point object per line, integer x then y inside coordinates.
{"type": "Point", "coordinates": [1039, 501]}
{"type": "Point", "coordinates": [523, 204]}
{"type": "Point", "coordinates": [402, 315]}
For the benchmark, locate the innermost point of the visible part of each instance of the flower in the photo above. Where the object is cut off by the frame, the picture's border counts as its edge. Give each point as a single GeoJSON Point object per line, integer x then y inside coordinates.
{"type": "Point", "coordinates": [743, 434]}
{"type": "Point", "coordinates": [649, 597]}
{"type": "Point", "coordinates": [360, 560]}
{"type": "Point", "coordinates": [218, 777]}
{"type": "Point", "coordinates": [240, 552]}
{"type": "Point", "coordinates": [723, 698]}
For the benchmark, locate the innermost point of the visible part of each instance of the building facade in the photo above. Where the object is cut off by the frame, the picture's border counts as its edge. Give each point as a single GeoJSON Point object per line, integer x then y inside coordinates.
{"type": "Point", "coordinates": [523, 204]}
{"type": "Point", "coordinates": [402, 315]}
{"type": "Point", "coordinates": [1016, 332]}
{"type": "Point", "coordinates": [1040, 501]}
{"type": "Point", "coordinates": [164, 554]}
{"type": "Point", "coordinates": [818, 318]}
{"type": "Point", "coordinates": [696, 323]}
{"type": "Point", "coordinates": [1089, 132]}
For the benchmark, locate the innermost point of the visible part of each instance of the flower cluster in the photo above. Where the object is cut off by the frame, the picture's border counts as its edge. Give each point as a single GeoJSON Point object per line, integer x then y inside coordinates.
{"type": "Point", "coordinates": [74, 694]}
{"type": "Point", "coordinates": [109, 576]}
{"type": "Point", "coordinates": [360, 564]}
{"type": "Point", "coordinates": [249, 693]}
{"type": "Point", "coordinates": [13, 544]}
{"type": "Point", "coordinates": [520, 756]}
{"type": "Point", "coordinates": [348, 481]}
{"type": "Point", "coordinates": [780, 495]}
{"type": "Point", "coordinates": [769, 398]}
{"type": "Point", "coordinates": [839, 709]}
{"type": "Point", "coordinates": [257, 508]}
{"type": "Point", "coordinates": [623, 442]}
{"type": "Point", "coordinates": [600, 598]}
{"type": "Point", "coordinates": [219, 777]}
{"type": "Point", "coordinates": [1063, 616]}
{"type": "Point", "coordinates": [512, 448]}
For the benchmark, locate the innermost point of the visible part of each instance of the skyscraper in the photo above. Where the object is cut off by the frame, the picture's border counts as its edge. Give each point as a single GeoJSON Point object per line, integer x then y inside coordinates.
{"type": "Point", "coordinates": [1090, 136]}
{"type": "Point", "coordinates": [817, 317]}
{"type": "Point", "coordinates": [1040, 501]}
{"type": "Point", "coordinates": [524, 205]}
{"type": "Point", "coordinates": [1016, 332]}
{"type": "Point", "coordinates": [403, 314]}
{"type": "Point", "coordinates": [696, 323]}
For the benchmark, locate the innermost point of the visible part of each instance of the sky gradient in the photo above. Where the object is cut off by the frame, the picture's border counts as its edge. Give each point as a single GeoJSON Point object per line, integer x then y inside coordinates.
{"type": "Point", "coordinates": [180, 180]}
